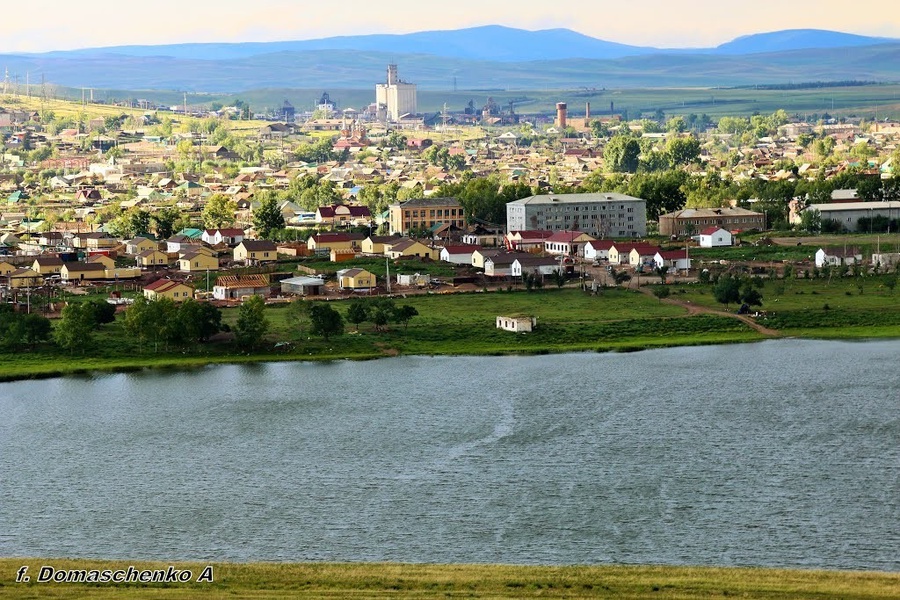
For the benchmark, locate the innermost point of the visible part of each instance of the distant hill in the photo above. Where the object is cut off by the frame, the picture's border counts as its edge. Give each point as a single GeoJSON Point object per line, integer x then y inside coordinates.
{"type": "Point", "coordinates": [490, 57]}
{"type": "Point", "coordinates": [796, 39]}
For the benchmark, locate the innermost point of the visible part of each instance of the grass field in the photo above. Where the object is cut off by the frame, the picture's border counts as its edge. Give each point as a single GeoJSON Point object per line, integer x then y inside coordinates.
{"type": "Point", "coordinates": [464, 324]}
{"type": "Point", "coordinates": [329, 580]}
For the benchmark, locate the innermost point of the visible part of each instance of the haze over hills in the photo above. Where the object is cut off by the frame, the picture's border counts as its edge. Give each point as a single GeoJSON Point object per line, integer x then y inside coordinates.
{"type": "Point", "coordinates": [476, 58]}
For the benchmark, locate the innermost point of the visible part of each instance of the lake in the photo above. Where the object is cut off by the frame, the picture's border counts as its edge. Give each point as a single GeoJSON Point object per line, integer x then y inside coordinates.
{"type": "Point", "coordinates": [781, 453]}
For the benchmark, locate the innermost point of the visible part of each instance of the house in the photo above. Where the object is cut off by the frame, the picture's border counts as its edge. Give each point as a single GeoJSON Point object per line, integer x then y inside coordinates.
{"type": "Point", "coordinates": [642, 254]}
{"type": "Point", "coordinates": [517, 323]}
{"type": "Point", "coordinates": [408, 247]}
{"type": "Point", "coordinates": [231, 236]}
{"type": "Point", "coordinates": [47, 265]}
{"type": "Point", "coordinates": [51, 239]}
{"type": "Point", "coordinates": [713, 237]}
{"type": "Point", "coordinates": [293, 249]}
{"type": "Point", "coordinates": [6, 268]}
{"type": "Point", "coordinates": [325, 242]}
{"type": "Point", "coordinates": [458, 255]}
{"type": "Point", "coordinates": [620, 252]}
{"type": "Point", "coordinates": [542, 265]}
{"type": "Point", "coordinates": [78, 271]}
{"type": "Point", "coordinates": [94, 240]}
{"type": "Point", "coordinates": [166, 288]}
{"type": "Point", "coordinates": [835, 257]}
{"type": "Point", "coordinates": [102, 259]}
{"type": "Point", "coordinates": [303, 286]}
{"type": "Point", "coordinates": [236, 287]}
{"type": "Point", "coordinates": [597, 249]}
{"type": "Point", "coordinates": [139, 244]}
{"type": "Point", "coordinates": [374, 244]}
{"type": "Point", "coordinates": [255, 251]}
{"type": "Point", "coordinates": [197, 261]}
{"type": "Point", "coordinates": [566, 243]}
{"type": "Point", "coordinates": [337, 215]}
{"type": "Point", "coordinates": [676, 260]}
{"type": "Point", "coordinates": [177, 241]}
{"type": "Point", "coordinates": [531, 240]}
{"type": "Point", "coordinates": [482, 254]}
{"type": "Point", "coordinates": [500, 265]}
{"type": "Point", "coordinates": [152, 258]}
{"type": "Point", "coordinates": [355, 279]}
{"type": "Point", "coordinates": [24, 278]}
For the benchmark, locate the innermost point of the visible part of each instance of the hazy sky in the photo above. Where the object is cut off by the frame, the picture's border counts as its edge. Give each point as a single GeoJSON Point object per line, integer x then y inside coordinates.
{"type": "Point", "coordinates": [41, 25]}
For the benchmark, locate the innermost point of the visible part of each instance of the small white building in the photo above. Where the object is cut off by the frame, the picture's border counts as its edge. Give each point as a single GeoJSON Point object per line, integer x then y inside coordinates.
{"type": "Point", "coordinates": [676, 260]}
{"type": "Point", "coordinates": [835, 257]}
{"type": "Point", "coordinates": [597, 249]}
{"type": "Point", "coordinates": [459, 254]}
{"type": "Point", "coordinates": [517, 323]}
{"type": "Point", "coordinates": [418, 279]}
{"type": "Point", "coordinates": [713, 237]}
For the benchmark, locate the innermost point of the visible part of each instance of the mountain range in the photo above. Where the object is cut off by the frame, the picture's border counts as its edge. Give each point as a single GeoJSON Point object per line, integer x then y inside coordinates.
{"type": "Point", "coordinates": [475, 58]}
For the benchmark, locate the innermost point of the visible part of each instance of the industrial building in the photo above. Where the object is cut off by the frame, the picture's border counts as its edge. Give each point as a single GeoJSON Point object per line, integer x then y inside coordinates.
{"type": "Point", "coordinates": [601, 215]}
{"type": "Point", "coordinates": [395, 98]}
{"type": "Point", "coordinates": [691, 221]}
{"type": "Point", "coordinates": [848, 214]}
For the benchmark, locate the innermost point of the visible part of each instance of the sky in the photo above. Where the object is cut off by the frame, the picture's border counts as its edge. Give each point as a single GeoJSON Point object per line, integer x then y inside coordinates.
{"type": "Point", "coordinates": [45, 25]}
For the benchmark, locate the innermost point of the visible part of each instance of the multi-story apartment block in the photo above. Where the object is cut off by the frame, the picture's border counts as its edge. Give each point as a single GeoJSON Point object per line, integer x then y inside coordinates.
{"type": "Point", "coordinates": [602, 215]}
{"type": "Point", "coordinates": [425, 213]}
{"type": "Point", "coordinates": [691, 221]}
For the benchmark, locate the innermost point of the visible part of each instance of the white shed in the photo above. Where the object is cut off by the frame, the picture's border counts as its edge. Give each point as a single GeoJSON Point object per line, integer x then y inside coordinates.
{"type": "Point", "coordinates": [517, 323]}
{"type": "Point", "coordinates": [713, 237]}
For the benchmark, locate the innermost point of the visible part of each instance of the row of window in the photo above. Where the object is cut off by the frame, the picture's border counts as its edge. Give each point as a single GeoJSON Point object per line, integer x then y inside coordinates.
{"type": "Point", "coordinates": [440, 212]}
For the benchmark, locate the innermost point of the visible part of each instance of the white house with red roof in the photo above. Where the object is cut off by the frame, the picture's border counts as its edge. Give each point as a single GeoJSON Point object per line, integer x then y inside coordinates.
{"type": "Point", "coordinates": [566, 243]}
{"type": "Point", "coordinates": [231, 236]}
{"type": "Point", "coordinates": [343, 214]}
{"type": "Point", "coordinates": [713, 237]}
{"type": "Point", "coordinates": [527, 240]}
{"type": "Point", "coordinates": [677, 260]}
{"type": "Point", "coordinates": [598, 249]}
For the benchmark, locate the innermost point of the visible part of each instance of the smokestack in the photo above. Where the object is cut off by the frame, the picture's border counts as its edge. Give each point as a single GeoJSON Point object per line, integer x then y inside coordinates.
{"type": "Point", "coordinates": [587, 113]}
{"type": "Point", "coordinates": [561, 115]}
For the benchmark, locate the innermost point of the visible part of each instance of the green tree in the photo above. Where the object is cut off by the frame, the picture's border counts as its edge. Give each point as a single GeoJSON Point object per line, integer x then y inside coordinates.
{"type": "Point", "coordinates": [357, 313]}
{"type": "Point", "coordinates": [152, 320]}
{"type": "Point", "coordinates": [252, 323]}
{"type": "Point", "coordinates": [404, 314]}
{"type": "Point", "coordinates": [622, 154]}
{"type": "Point", "coordinates": [751, 296]}
{"type": "Point", "coordinates": [100, 312]}
{"type": "Point", "coordinates": [381, 312]}
{"type": "Point", "coordinates": [74, 328]}
{"type": "Point", "coordinates": [727, 290]}
{"type": "Point", "coordinates": [559, 277]}
{"type": "Point", "coordinates": [218, 212]}
{"type": "Point", "coordinates": [164, 221]}
{"type": "Point", "coordinates": [267, 217]}
{"type": "Point", "coordinates": [37, 328]}
{"type": "Point", "coordinates": [199, 321]}
{"type": "Point", "coordinates": [683, 150]}
{"type": "Point", "coordinates": [325, 321]}
{"type": "Point", "coordinates": [661, 272]}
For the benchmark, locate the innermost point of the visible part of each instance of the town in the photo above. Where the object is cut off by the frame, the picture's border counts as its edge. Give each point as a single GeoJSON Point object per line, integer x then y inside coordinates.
{"type": "Point", "coordinates": [220, 205]}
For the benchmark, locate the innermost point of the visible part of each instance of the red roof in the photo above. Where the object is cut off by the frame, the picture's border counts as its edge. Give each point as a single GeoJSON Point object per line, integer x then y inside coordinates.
{"type": "Point", "coordinates": [672, 254]}
{"type": "Point", "coordinates": [161, 285]}
{"type": "Point", "coordinates": [601, 244]}
{"type": "Point", "coordinates": [533, 234]}
{"type": "Point", "coordinates": [565, 236]}
{"type": "Point", "coordinates": [710, 230]}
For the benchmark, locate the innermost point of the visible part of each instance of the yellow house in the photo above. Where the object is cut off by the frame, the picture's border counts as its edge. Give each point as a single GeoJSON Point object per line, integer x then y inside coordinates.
{"type": "Point", "coordinates": [78, 271]}
{"type": "Point", "coordinates": [255, 251]}
{"type": "Point", "coordinates": [139, 244]}
{"type": "Point", "coordinates": [166, 288]}
{"type": "Point", "coordinates": [408, 247]}
{"type": "Point", "coordinates": [102, 259]}
{"type": "Point", "coordinates": [25, 277]}
{"type": "Point", "coordinates": [152, 258]}
{"type": "Point", "coordinates": [334, 241]}
{"type": "Point", "coordinates": [6, 268]}
{"type": "Point", "coordinates": [374, 244]}
{"type": "Point", "coordinates": [47, 265]}
{"type": "Point", "coordinates": [197, 261]}
{"type": "Point", "coordinates": [356, 279]}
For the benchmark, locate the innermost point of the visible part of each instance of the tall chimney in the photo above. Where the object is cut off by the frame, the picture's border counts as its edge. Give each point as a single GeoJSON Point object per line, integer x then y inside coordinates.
{"type": "Point", "coordinates": [587, 113]}
{"type": "Point", "coordinates": [561, 115]}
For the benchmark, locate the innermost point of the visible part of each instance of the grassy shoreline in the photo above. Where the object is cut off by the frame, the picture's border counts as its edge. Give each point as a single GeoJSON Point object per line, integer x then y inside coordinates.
{"type": "Point", "coordinates": [395, 580]}
{"type": "Point", "coordinates": [569, 320]}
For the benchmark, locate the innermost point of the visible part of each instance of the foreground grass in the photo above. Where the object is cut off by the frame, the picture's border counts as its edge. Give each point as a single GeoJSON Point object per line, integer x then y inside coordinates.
{"type": "Point", "coordinates": [331, 580]}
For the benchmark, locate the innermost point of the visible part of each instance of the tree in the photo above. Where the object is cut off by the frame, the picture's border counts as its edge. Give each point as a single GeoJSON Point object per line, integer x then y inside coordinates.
{"type": "Point", "coordinates": [683, 151]}
{"type": "Point", "coordinates": [218, 212]}
{"type": "Point", "coordinates": [74, 328]}
{"type": "Point", "coordinates": [622, 154]}
{"type": "Point", "coordinates": [267, 218]}
{"type": "Point", "coordinates": [382, 312]}
{"type": "Point", "coordinates": [100, 312]}
{"type": "Point", "coordinates": [727, 290]}
{"type": "Point", "coordinates": [559, 277]}
{"type": "Point", "coordinates": [153, 320]}
{"type": "Point", "coordinates": [164, 221]}
{"type": "Point", "coordinates": [404, 314]}
{"type": "Point", "coordinates": [662, 272]}
{"type": "Point", "coordinates": [357, 313]}
{"type": "Point", "coordinates": [811, 220]}
{"type": "Point", "coordinates": [199, 321]}
{"type": "Point", "coordinates": [751, 296]}
{"type": "Point", "coordinates": [37, 328]}
{"type": "Point", "coordinates": [252, 323]}
{"type": "Point", "coordinates": [325, 321]}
